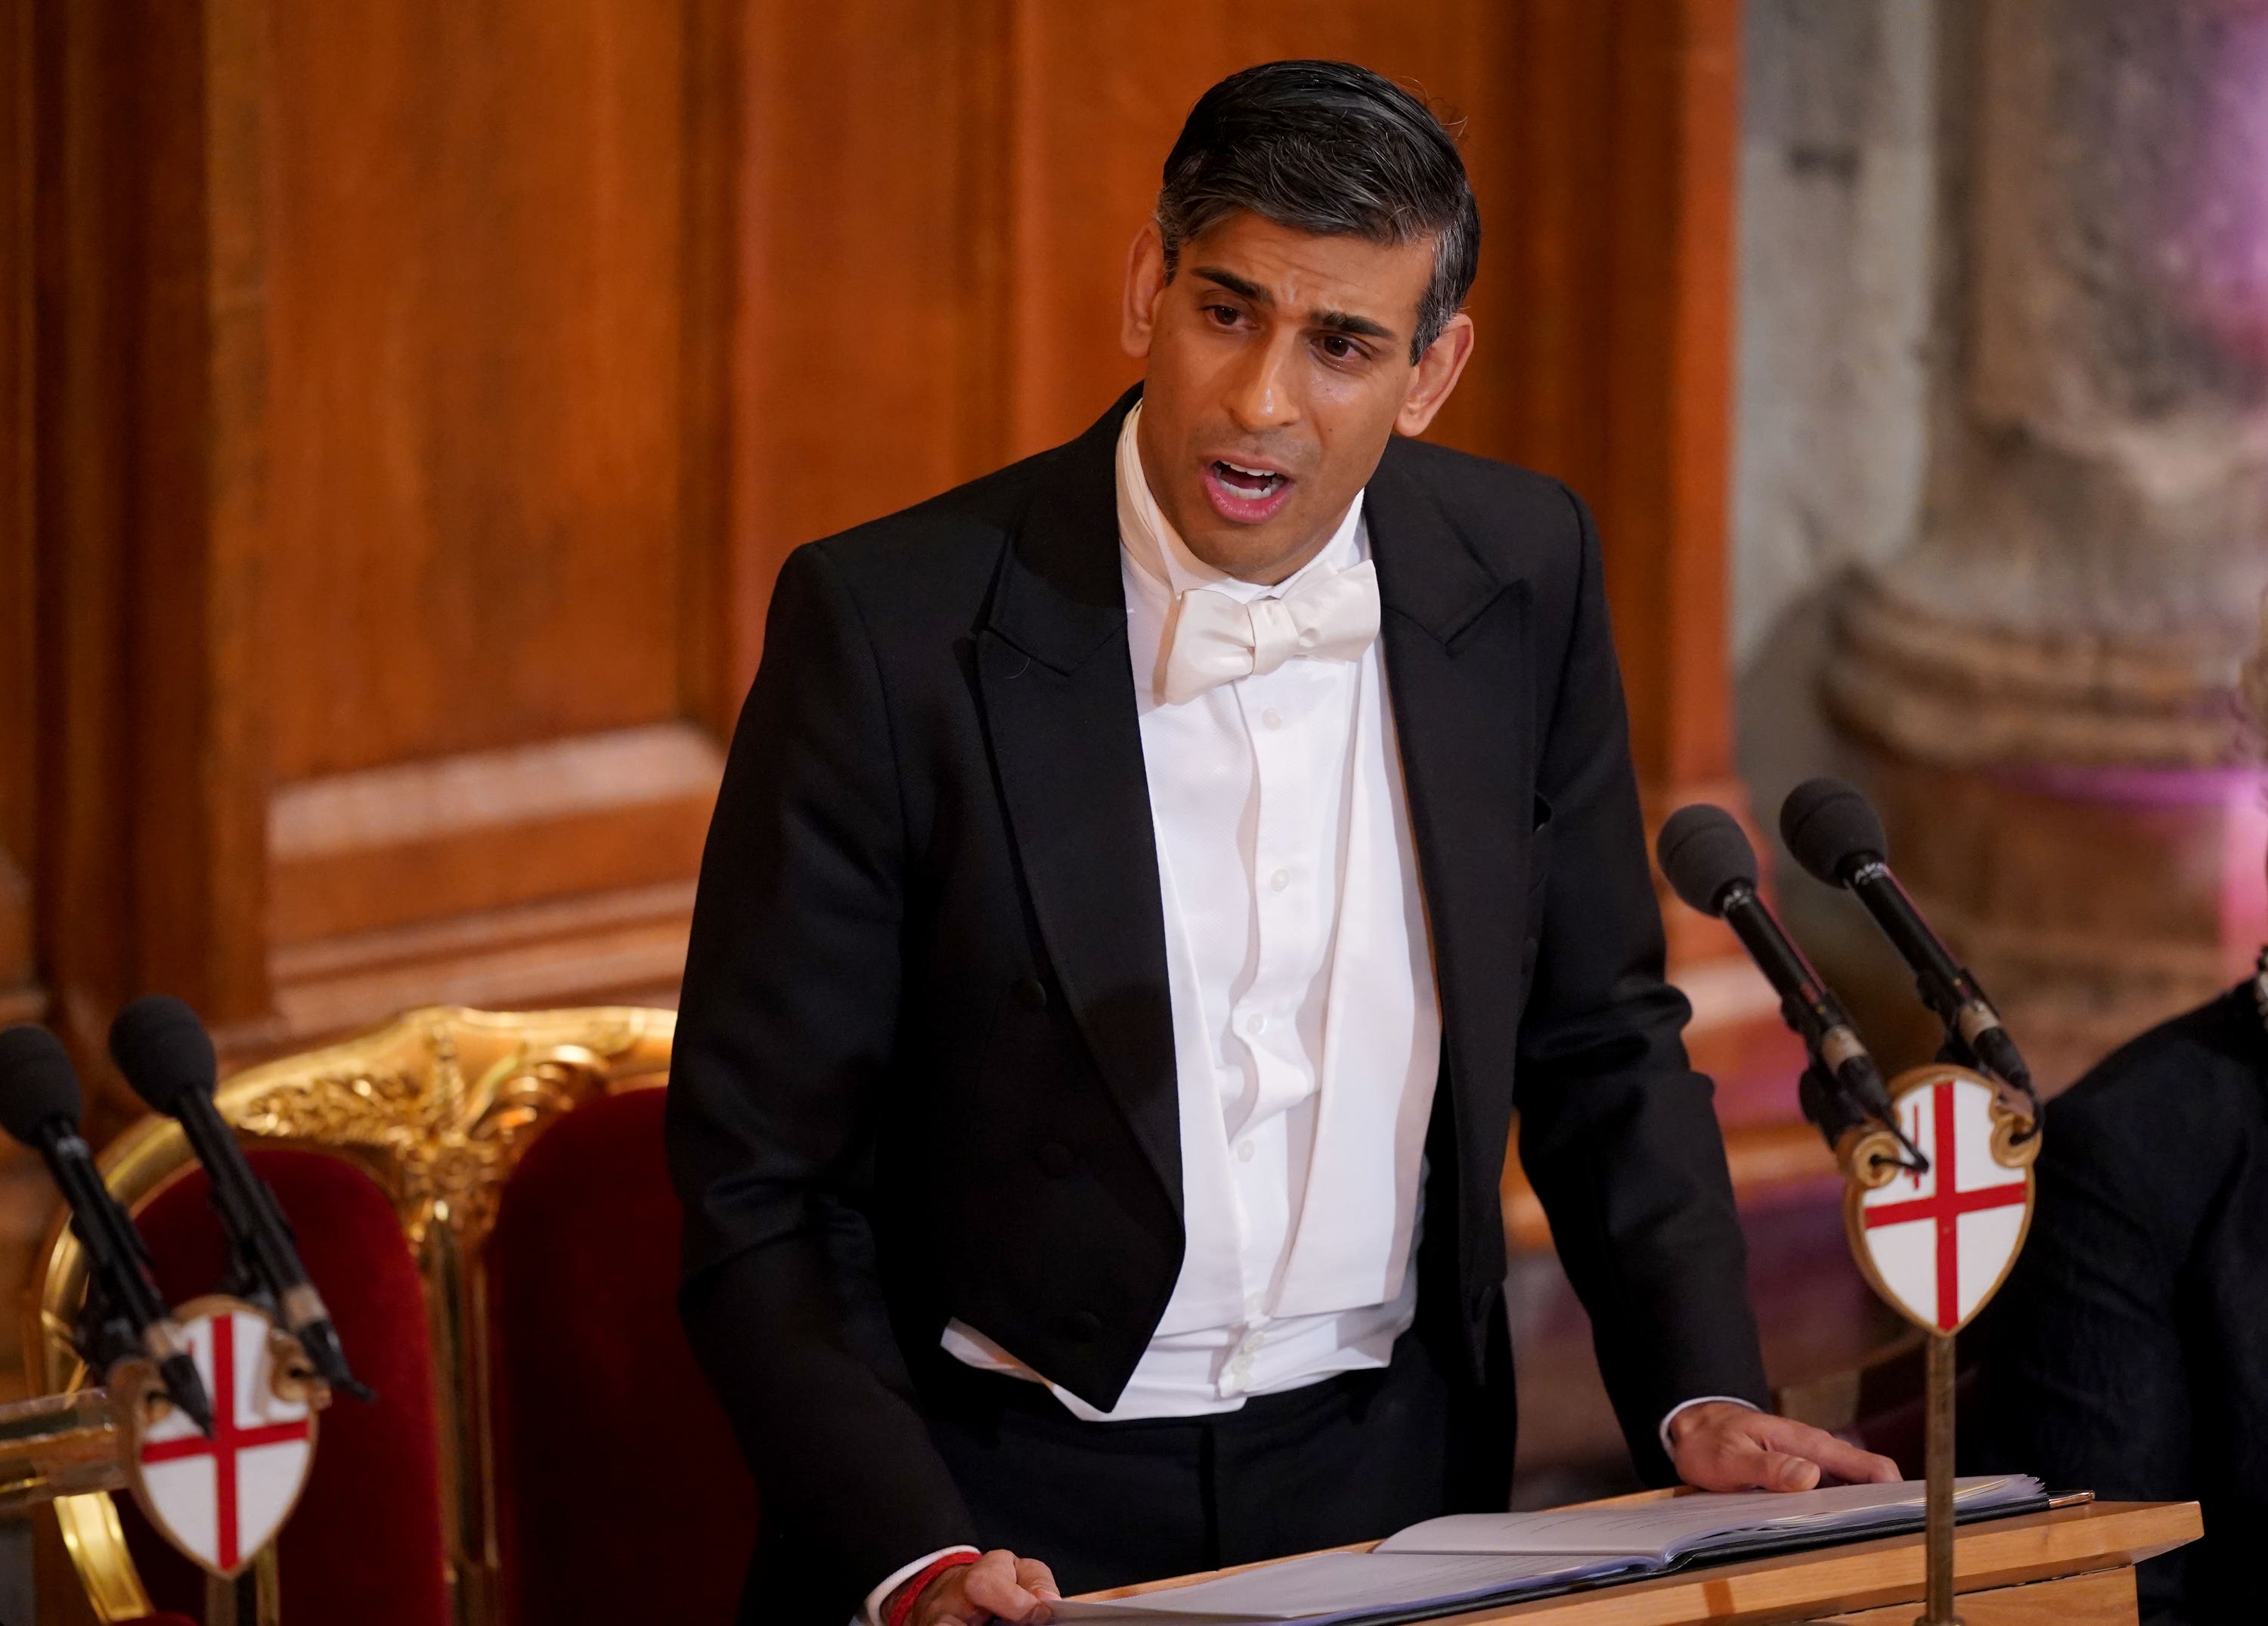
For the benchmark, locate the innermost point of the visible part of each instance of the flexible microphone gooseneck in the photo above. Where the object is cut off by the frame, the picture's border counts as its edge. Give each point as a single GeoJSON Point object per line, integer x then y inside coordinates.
{"type": "Point", "coordinates": [1708, 861]}
{"type": "Point", "coordinates": [39, 1107]}
{"type": "Point", "coordinates": [167, 1057]}
{"type": "Point", "coordinates": [1835, 834]}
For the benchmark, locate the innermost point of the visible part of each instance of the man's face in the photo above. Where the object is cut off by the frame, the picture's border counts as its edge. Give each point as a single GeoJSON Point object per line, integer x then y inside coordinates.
{"type": "Point", "coordinates": [1278, 366]}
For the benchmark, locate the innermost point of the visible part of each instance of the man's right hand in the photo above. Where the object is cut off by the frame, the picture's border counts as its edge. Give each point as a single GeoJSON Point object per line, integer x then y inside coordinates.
{"type": "Point", "coordinates": [999, 1586]}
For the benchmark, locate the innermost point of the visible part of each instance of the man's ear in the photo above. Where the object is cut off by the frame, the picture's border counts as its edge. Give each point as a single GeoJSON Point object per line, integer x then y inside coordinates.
{"type": "Point", "coordinates": [1145, 282]}
{"type": "Point", "coordinates": [1437, 373]}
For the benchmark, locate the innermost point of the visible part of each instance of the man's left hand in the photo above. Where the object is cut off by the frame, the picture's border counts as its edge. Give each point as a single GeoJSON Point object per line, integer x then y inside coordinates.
{"type": "Point", "coordinates": [1720, 1447]}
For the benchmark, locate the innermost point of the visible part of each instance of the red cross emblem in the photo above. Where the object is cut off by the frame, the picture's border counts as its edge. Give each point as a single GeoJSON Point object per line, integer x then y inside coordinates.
{"type": "Point", "coordinates": [222, 1500]}
{"type": "Point", "coordinates": [1938, 1244]}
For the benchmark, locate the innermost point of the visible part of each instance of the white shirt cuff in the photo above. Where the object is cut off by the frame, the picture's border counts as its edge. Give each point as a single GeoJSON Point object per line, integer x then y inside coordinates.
{"type": "Point", "coordinates": [1668, 1417]}
{"type": "Point", "coordinates": [871, 1615]}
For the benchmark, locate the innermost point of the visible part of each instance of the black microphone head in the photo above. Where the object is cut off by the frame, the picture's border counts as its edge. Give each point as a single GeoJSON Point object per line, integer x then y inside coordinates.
{"type": "Point", "coordinates": [1831, 828]}
{"type": "Point", "coordinates": [1704, 851]}
{"type": "Point", "coordinates": [164, 1052]}
{"type": "Point", "coordinates": [37, 1082]}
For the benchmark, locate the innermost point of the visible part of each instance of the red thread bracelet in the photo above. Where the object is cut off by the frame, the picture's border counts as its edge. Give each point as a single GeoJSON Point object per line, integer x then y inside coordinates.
{"type": "Point", "coordinates": [912, 1591]}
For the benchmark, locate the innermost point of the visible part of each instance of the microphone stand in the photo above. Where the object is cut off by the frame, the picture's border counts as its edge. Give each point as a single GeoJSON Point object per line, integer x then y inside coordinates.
{"type": "Point", "coordinates": [1938, 1377]}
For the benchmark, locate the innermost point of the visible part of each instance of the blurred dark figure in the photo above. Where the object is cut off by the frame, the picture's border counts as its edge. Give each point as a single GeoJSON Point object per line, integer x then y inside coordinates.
{"type": "Point", "coordinates": [2128, 1354]}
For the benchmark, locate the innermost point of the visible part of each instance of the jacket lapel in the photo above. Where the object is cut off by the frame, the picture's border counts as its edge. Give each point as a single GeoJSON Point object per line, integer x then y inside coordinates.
{"type": "Point", "coordinates": [1057, 689]}
{"type": "Point", "coordinates": [1457, 666]}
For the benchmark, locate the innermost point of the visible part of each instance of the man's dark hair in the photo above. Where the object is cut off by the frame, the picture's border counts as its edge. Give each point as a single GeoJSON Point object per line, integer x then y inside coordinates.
{"type": "Point", "coordinates": [1332, 149]}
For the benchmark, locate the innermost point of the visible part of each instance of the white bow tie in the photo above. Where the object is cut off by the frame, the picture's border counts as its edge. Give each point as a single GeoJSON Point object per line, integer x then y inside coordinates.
{"type": "Point", "coordinates": [1217, 639]}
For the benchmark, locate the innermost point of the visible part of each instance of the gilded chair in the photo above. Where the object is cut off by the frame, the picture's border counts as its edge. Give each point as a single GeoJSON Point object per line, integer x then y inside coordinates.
{"type": "Point", "coordinates": [483, 1200]}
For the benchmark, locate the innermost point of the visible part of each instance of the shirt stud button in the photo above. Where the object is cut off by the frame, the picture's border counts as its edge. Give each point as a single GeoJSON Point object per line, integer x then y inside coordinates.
{"type": "Point", "coordinates": [1272, 717]}
{"type": "Point", "coordinates": [1245, 1151]}
{"type": "Point", "coordinates": [1280, 879]}
{"type": "Point", "coordinates": [1256, 1023]}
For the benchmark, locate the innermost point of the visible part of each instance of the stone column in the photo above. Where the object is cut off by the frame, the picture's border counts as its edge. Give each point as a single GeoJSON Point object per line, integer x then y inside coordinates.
{"type": "Point", "coordinates": [2039, 690]}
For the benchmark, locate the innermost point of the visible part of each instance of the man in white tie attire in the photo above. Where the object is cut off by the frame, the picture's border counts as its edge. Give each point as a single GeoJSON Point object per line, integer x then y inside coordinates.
{"type": "Point", "coordinates": [1145, 883]}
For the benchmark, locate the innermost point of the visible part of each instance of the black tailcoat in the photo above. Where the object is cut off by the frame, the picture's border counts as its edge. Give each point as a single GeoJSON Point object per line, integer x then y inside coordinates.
{"type": "Point", "coordinates": [924, 1068]}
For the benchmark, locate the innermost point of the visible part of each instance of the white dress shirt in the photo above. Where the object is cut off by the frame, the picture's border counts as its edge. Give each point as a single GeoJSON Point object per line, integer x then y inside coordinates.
{"type": "Point", "coordinates": [1306, 1028]}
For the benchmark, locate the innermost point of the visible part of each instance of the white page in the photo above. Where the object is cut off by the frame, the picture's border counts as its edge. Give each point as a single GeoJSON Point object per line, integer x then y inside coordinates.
{"type": "Point", "coordinates": [1679, 1525]}
{"type": "Point", "coordinates": [1327, 1586]}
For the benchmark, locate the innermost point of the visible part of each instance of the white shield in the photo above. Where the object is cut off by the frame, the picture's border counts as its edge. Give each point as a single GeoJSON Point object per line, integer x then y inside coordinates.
{"type": "Point", "coordinates": [1937, 1246]}
{"type": "Point", "coordinates": [222, 1500]}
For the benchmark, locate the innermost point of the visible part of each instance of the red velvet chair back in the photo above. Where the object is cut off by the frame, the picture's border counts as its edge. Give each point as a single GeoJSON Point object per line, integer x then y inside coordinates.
{"type": "Point", "coordinates": [621, 1496]}
{"type": "Point", "coordinates": [364, 1548]}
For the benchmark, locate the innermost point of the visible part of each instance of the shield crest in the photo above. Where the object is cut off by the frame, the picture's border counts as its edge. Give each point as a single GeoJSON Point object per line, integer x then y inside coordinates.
{"type": "Point", "coordinates": [1938, 1245]}
{"type": "Point", "coordinates": [222, 1500]}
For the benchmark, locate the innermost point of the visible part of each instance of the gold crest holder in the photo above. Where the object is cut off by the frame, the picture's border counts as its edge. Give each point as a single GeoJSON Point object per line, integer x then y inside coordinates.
{"type": "Point", "coordinates": [88, 1441]}
{"type": "Point", "coordinates": [1871, 1158]}
{"type": "Point", "coordinates": [138, 1398]}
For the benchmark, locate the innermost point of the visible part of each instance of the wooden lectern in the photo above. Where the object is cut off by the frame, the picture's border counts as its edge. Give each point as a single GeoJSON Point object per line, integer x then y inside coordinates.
{"type": "Point", "coordinates": [2071, 1566]}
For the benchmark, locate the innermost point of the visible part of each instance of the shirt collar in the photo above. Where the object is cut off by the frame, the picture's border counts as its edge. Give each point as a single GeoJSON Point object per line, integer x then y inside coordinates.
{"type": "Point", "coordinates": [1159, 554]}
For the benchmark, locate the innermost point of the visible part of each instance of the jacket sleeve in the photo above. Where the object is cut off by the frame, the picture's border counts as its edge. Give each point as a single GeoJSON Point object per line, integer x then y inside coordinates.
{"type": "Point", "coordinates": [788, 1017]}
{"type": "Point", "coordinates": [1616, 1131]}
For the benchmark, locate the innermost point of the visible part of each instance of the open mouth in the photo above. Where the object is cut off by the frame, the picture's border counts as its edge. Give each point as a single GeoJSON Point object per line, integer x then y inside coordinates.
{"type": "Point", "coordinates": [1245, 494]}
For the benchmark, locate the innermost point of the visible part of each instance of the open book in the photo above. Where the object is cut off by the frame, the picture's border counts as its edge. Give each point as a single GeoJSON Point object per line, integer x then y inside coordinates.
{"type": "Point", "coordinates": [1467, 1560]}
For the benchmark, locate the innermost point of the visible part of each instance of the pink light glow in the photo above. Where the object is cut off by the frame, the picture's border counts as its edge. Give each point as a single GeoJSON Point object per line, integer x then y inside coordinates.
{"type": "Point", "coordinates": [2241, 794]}
{"type": "Point", "coordinates": [2213, 252]}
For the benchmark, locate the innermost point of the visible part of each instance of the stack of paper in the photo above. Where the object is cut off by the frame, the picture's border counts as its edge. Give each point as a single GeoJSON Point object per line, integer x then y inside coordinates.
{"type": "Point", "coordinates": [1467, 1560]}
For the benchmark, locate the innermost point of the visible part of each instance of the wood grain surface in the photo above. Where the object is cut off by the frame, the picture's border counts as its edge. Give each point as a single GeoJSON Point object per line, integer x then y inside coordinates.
{"type": "Point", "coordinates": [1840, 1581]}
{"type": "Point", "coordinates": [2099, 1597]}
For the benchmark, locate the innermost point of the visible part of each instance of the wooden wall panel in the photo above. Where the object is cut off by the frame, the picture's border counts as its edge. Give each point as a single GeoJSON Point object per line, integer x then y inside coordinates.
{"type": "Point", "coordinates": [1668, 377]}
{"type": "Point", "coordinates": [499, 240]}
{"type": "Point", "coordinates": [498, 237]}
{"type": "Point", "coordinates": [25, 1195]}
{"type": "Point", "coordinates": [476, 247]}
{"type": "Point", "coordinates": [119, 506]}
{"type": "Point", "coordinates": [431, 392]}
{"type": "Point", "coordinates": [874, 287]}
{"type": "Point", "coordinates": [19, 618]}
{"type": "Point", "coordinates": [382, 383]}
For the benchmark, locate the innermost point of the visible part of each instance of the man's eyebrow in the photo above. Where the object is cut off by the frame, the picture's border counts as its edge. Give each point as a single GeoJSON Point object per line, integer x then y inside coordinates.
{"type": "Point", "coordinates": [1341, 321]}
{"type": "Point", "coordinates": [1235, 284]}
{"type": "Point", "coordinates": [1334, 322]}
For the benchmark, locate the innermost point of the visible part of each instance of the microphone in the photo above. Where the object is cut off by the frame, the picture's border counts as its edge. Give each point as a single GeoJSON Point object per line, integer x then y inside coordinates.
{"type": "Point", "coordinates": [167, 1057]}
{"type": "Point", "coordinates": [40, 1106]}
{"type": "Point", "coordinates": [1835, 833]}
{"type": "Point", "coordinates": [1710, 864]}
